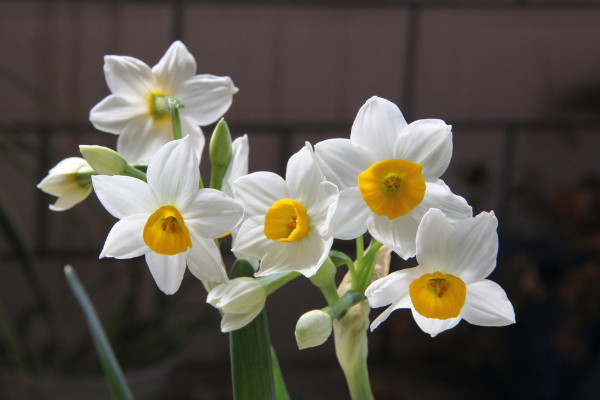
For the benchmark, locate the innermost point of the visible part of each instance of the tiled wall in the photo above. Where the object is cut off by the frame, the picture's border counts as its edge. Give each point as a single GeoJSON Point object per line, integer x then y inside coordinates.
{"type": "Point", "coordinates": [518, 80]}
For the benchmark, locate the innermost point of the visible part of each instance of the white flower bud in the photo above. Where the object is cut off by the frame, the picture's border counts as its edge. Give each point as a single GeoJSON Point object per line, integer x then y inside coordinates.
{"type": "Point", "coordinates": [70, 180]}
{"type": "Point", "coordinates": [240, 300]}
{"type": "Point", "coordinates": [312, 329]}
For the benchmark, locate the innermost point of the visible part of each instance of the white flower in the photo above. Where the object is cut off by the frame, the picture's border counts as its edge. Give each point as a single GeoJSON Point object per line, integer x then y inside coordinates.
{"type": "Point", "coordinates": [240, 300]}
{"type": "Point", "coordinates": [312, 329]}
{"type": "Point", "coordinates": [135, 111]}
{"type": "Point", "coordinates": [168, 219]}
{"type": "Point", "coordinates": [388, 174]}
{"type": "Point", "coordinates": [70, 181]}
{"type": "Point", "coordinates": [449, 284]}
{"type": "Point", "coordinates": [287, 225]}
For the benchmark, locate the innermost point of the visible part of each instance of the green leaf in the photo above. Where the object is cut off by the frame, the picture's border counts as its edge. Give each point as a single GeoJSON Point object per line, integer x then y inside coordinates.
{"type": "Point", "coordinates": [250, 348]}
{"type": "Point", "coordinates": [114, 376]}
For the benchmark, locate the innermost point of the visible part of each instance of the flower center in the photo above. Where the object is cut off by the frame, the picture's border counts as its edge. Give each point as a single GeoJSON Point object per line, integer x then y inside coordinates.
{"type": "Point", "coordinates": [286, 221]}
{"type": "Point", "coordinates": [157, 103]}
{"type": "Point", "coordinates": [166, 233]}
{"type": "Point", "coordinates": [392, 188]}
{"type": "Point", "coordinates": [438, 295]}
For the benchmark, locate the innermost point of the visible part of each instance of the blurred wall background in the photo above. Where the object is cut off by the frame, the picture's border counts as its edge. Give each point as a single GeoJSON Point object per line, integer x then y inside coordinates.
{"type": "Point", "coordinates": [518, 80]}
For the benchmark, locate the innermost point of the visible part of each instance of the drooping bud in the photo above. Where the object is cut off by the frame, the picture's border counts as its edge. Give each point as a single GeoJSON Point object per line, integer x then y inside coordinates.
{"type": "Point", "coordinates": [240, 300]}
{"type": "Point", "coordinates": [70, 180]}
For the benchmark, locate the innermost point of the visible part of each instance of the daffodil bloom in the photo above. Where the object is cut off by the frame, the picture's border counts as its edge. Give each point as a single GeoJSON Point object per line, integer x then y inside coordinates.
{"type": "Point", "coordinates": [240, 300]}
{"type": "Point", "coordinates": [449, 284]}
{"type": "Point", "coordinates": [168, 219]}
{"type": "Point", "coordinates": [136, 109]}
{"type": "Point", "coordinates": [287, 224]}
{"type": "Point", "coordinates": [388, 174]}
{"type": "Point", "coordinates": [70, 181]}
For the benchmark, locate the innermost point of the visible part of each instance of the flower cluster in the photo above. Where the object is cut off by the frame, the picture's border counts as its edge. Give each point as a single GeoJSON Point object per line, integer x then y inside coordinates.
{"type": "Point", "coordinates": [384, 180]}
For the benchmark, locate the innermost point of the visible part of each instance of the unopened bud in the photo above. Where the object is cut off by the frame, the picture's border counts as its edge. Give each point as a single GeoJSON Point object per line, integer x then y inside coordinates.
{"type": "Point", "coordinates": [103, 160]}
{"type": "Point", "coordinates": [312, 329]}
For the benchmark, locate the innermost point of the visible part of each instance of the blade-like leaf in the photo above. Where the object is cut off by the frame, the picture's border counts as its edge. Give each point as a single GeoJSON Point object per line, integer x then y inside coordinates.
{"type": "Point", "coordinates": [114, 376]}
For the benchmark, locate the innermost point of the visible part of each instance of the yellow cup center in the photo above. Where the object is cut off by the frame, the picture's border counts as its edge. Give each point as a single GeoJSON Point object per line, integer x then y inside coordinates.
{"type": "Point", "coordinates": [157, 103]}
{"type": "Point", "coordinates": [286, 221]}
{"type": "Point", "coordinates": [392, 188]}
{"type": "Point", "coordinates": [165, 232]}
{"type": "Point", "coordinates": [438, 295]}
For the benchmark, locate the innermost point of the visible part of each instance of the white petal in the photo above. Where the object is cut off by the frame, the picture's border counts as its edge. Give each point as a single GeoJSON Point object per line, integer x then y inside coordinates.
{"type": "Point", "coordinates": [398, 234]}
{"type": "Point", "coordinates": [113, 113]}
{"type": "Point", "coordinates": [304, 256]}
{"type": "Point", "coordinates": [437, 242]}
{"type": "Point", "coordinates": [231, 322]}
{"type": "Point", "coordinates": [128, 77]}
{"type": "Point", "coordinates": [68, 166]}
{"type": "Point", "coordinates": [142, 138]}
{"type": "Point", "coordinates": [429, 142]}
{"type": "Point", "coordinates": [192, 130]}
{"type": "Point", "coordinates": [212, 214]}
{"type": "Point", "coordinates": [321, 208]}
{"type": "Point", "coordinates": [239, 164]}
{"type": "Point", "coordinates": [175, 67]}
{"type": "Point", "coordinates": [250, 239]}
{"type": "Point", "coordinates": [167, 271]}
{"type": "Point", "coordinates": [340, 162]}
{"type": "Point", "coordinates": [487, 305]}
{"type": "Point", "coordinates": [438, 195]}
{"type": "Point", "coordinates": [70, 198]}
{"type": "Point", "coordinates": [377, 126]}
{"type": "Point", "coordinates": [391, 288]}
{"type": "Point", "coordinates": [259, 190]}
{"type": "Point", "coordinates": [204, 260]}
{"type": "Point", "coordinates": [434, 326]}
{"type": "Point", "coordinates": [351, 215]}
{"type": "Point", "coordinates": [173, 173]}
{"type": "Point", "coordinates": [125, 239]}
{"type": "Point", "coordinates": [402, 302]}
{"type": "Point", "coordinates": [303, 175]}
{"type": "Point", "coordinates": [206, 97]}
{"type": "Point", "coordinates": [123, 195]}
{"type": "Point", "coordinates": [477, 247]}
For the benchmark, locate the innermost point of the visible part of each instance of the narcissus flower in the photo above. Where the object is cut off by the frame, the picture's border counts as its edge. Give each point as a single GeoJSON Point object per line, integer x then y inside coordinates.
{"type": "Point", "coordinates": [240, 300]}
{"type": "Point", "coordinates": [287, 224]}
{"type": "Point", "coordinates": [388, 174]}
{"type": "Point", "coordinates": [449, 284]}
{"type": "Point", "coordinates": [168, 219]}
{"type": "Point", "coordinates": [70, 180]}
{"type": "Point", "coordinates": [136, 109]}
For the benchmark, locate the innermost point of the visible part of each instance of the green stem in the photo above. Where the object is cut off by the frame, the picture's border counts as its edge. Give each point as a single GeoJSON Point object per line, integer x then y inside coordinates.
{"type": "Point", "coordinates": [360, 248]}
{"type": "Point", "coordinates": [275, 281]}
{"type": "Point", "coordinates": [251, 352]}
{"type": "Point", "coordinates": [173, 106]}
{"type": "Point", "coordinates": [365, 268]}
{"type": "Point", "coordinates": [130, 170]}
{"type": "Point", "coordinates": [358, 382]}
{"type": "Point", "coordinates": [339, 307]}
